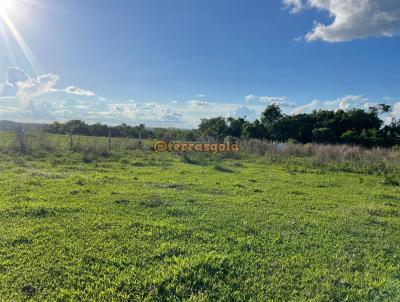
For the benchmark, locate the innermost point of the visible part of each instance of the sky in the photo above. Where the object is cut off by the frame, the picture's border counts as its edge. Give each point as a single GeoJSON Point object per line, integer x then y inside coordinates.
{"type": "Point", "coordinates": [172, 63]}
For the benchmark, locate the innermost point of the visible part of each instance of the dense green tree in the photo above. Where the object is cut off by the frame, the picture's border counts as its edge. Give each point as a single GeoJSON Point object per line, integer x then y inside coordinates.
{"type": "Point", "coordinates": [99, 130]}
{"type": "Point", "coordinates": [270, 116]}
{"type": "Point", "coordinates": [77, 127]}
{"type": "Point", "coordinates": [235, 126]}
{"type": "Point", "coordinates": [213, 127]}
{"type": "Point", "coordinates": [298, 127]}
{"type": "Point", "coordinates": [323, 135]}
{"type": "Point", "coordinates": [350, 137]}
{"type": "Point", "coordinates": [254, 130]}
{"type": "Point", "coordinates": [391, 131]}
{"type": "Point", "coordinates": [56, 127]}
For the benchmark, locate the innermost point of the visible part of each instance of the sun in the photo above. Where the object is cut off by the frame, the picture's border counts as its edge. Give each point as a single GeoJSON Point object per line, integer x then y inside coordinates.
{"type": "Point", "coordinates": [5, 5]}
{"type": "Point", "coordinates": [9, 31]}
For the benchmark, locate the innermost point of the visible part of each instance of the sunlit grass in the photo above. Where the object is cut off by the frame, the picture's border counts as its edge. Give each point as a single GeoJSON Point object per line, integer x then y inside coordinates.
{"type": "Point", "coordinates": [142, 226]}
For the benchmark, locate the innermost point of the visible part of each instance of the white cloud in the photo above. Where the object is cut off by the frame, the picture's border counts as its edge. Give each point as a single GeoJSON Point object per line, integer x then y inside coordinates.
{"type": "Point", "coordinates": [282, 101]}
{"type": "Point", "coordinates": [7, 110]}
{"type": "Point", "coordinates": [351, 19]}
{"type": "Point", "coordinates": [307, 108]}
{"type": "Point", "coordinates": [294, 6]}
{"type": "Point", "coordinates": [38, 99]}
{"type": "Point", "coordinates": [7, 90]}
{"type": "Point", "coordinates": [15, 75]}
{"type": "Point", "coordinates": [132, 112]}
{"type": "Point", "coordinates": [396, 108]}
{"type": "Point", "coordinates": [14, 78]}
{"type": "Point", "coordinates": [20, 88]}
{"type": "Point", "coordinates": [23, 98]}
{"type": "Point", "coordinates": [199, 104]}
{"type": "Point", "coordinates": [347, 102]}
{"type": "Point", "coordinates": [36, 87]}
{"type": "Point", "coordinates": [251, 97]}
{"type": "Point", "coordinates": [191, 115]}
{"type": "Point", "coordinates": [265, 99]}
{"type": "Point", "coordinates": [244, 112]}
{"type": "Point", "coordinates": [78, 91]}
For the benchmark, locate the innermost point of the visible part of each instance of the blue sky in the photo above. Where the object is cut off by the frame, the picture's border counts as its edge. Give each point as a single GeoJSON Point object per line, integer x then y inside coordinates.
{"type": "Point", "coordinates": [170, 63]}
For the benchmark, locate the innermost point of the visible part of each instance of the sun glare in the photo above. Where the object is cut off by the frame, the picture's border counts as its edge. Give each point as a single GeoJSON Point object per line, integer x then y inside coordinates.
{"type": "Point", "coordinates": [5, 5]}
{"type": "Point", "coordinates": [7, 14]}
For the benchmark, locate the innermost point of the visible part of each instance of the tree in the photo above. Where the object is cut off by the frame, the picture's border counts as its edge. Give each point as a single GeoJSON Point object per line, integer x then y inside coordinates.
{"type": "Point", "coordinates": [99, 130]}
{"type": "Point", "coordinates": [214, 127]}
{"type": "Point", "coordinates": [350, 137]}
{"type": "Point", "coordinates": [380, 109]}
{"type": "Point", "coordinates": [124, 130]}
{"type": "Point", "coordinates": [254, 130]}
{"type": "Point", "coordinates": [77, 127]}
{"type": "Point", "coordinates": [56, 127]}
{"type": "Point", "coordinates": [298, 127]}
{"type": "Point", "coordinates": [270, 116]}
{"type": "Point", "coordinates": [323, 135]}
{"type": "Point", "coordinates": [235, 126]}
{"type": "Point", "coordinates": [391, 132]}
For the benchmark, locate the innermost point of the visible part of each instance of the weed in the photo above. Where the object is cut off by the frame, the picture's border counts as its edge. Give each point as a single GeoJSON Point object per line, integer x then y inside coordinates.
{"type": "Point", "coordinates": [153, 201]}
{"type": "Point", "coordinates": [221, 168]}
{"type": "Point", "coordinates": [391, 180]}
{"type": "Point", "coordinates": [122, 201]}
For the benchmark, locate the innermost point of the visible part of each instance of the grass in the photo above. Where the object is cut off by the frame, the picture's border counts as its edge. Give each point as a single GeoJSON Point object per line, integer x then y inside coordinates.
{"type": "Point", "coordinates": [141, 226]}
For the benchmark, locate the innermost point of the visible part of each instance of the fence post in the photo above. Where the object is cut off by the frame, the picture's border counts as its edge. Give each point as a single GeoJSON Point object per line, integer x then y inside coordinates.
{"type": "Point", "coordinates": [141, 127]}
{"type": "Point", "coordinates": [21, 139]}
{"type": "Point", "coordinates": [109, 140]}
{"type": "Point", "coordinates": [71, 141]}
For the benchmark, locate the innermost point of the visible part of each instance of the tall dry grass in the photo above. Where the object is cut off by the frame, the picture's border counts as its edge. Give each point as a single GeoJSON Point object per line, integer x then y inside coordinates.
{"type": "Point", "coordinates": [340, 157]}
{"type": "Point", "coordinates": [335, 157]}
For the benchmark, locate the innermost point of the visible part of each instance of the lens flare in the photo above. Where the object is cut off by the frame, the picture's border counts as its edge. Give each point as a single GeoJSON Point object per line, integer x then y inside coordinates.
{"type": "Point", "coordinates": [7, 27]}
{"type": "Point", "coordinates": [5, 5]}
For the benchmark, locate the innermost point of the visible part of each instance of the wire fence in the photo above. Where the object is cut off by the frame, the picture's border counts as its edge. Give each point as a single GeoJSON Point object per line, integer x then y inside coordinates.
{"type": "Point", "coordinates": [31, 142]}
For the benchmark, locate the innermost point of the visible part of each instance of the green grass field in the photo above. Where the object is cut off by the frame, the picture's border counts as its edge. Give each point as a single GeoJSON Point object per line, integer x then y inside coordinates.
{"type": "Point", "coordinates": [153, 227]}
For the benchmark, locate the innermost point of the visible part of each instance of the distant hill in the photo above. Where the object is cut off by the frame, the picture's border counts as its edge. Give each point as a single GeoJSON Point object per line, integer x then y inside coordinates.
{"type": "Point", "coordinates": [12, 126]}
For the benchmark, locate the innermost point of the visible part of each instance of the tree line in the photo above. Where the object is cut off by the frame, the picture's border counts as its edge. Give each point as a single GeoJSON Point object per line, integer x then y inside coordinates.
{"type": "Point", "coordinates": [356, 126]}
{"type": "Point", "coordinates": [79, 127]}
